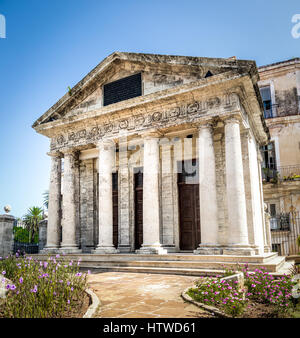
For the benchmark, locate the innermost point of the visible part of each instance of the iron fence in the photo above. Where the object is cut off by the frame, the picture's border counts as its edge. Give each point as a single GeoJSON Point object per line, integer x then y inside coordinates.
{"type": "Point", "coordinates": [285, 232]}
{"type": "Point", "coordinates": [28, 248]}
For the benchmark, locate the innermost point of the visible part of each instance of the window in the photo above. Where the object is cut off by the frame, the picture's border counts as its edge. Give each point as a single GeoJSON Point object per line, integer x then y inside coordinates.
{"type": "Point", "coordinates": [269, 167]}
{"type": "Point", "coordinates": [122, 89]}
{"type": "Point", "coordinates": [269, 156]}
{"type": "Point", "coordinates": [265, 93]}
{"type": "Point", "coordinates": [273, 209]}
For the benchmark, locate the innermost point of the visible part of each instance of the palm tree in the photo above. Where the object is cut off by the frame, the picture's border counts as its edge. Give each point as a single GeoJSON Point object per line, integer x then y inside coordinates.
{"type": "Point", "coordinates": [46, 199]}
{"type": "Point", "coordinates": [32, 219]}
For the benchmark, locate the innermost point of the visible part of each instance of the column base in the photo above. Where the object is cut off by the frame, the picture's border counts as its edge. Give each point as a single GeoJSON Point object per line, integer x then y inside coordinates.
{"type": "Point", "coordinates": [70, 249]}
{"type": "Point", "coordinates": [151, 250]}
{"type": "Point", "coordinates": [208, 250]}
{"type": "Point", "coordinates": [170, 248]}
{"type": "Point", "coordinates": [124, 248]}
{"type": "Point", "coordinates": [238, 250]}
{"type": "Point", "coordinates": [267, 249]}
{"type": "Point", "coordinates": [104, 250]}
{"type": "Point", "coordinates": [50, 249]}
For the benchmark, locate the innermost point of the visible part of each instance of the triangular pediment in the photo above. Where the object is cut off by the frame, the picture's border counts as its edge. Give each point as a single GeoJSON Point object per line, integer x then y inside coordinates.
{"type": "Point", "coordinates": [159, 72]}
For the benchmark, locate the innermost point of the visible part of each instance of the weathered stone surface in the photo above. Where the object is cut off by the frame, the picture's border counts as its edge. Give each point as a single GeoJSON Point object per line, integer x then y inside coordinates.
{"type": "Point", "coordinates": [43, 234]}
{"type": "Point", "coordinates": [6, 235]}
{"type": "Point", "coordinates": [176, 98]}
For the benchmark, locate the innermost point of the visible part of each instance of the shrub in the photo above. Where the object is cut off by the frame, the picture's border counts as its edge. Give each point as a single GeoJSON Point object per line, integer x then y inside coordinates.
{"type": "Point", "coordinates": [219, 293]}
{"type": "Point", "coordinates": [41, 289]}
{"type": "Point", "coordinates": [264, 288]}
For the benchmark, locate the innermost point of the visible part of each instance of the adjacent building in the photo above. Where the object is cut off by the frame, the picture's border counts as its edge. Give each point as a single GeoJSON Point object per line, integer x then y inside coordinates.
{"type": "Point", "coordinates": [280, 90]}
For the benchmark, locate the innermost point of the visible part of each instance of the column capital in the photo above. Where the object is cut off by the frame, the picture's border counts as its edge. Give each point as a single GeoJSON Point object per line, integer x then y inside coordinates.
{"type": "Point", "coordinates": [55, 153]}
{"type": "Point", "coordinates": [69, 151]}
{"type": "Point", "coordinates": [209, 124]}
{"type": "Point", "coordinates": [231, 119]}
{"type": "Point", "coordinates": [151, 135]}
{"type": "Point", "coordinates": [106, 142]}
{"type": "Point", "coordinates": [246, 133]}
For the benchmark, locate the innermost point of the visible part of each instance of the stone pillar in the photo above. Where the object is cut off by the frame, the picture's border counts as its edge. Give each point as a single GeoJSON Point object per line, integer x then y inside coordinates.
{"type": "Point", "coordinates": [167, 196]}
{"type": "Point", "coordinates": [69, 244]}
{"type": "Point", "coordinates": [6, 235]}
{"type": "Point", "coordinates": [43, 234]}
{"type": "Point", "coordinates": [151, 208]}
{"type": "Point", "coordinates": [54, 207]}
{"type": "Point", "coordinates": [207, 193]}
{"type": "Point", "coordinates": [87, 205]}
{"type": "Point", "coordinates": [124, 199]}
{"type": "Point", "coordinates": [238, 243]}
{"type": "Point", "coordinates": [106, 161]}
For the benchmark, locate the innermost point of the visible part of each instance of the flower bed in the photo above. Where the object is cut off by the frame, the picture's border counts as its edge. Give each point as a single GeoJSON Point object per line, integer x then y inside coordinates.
{"type": "Point", "coordinates": [43, 289]}
{"type": "Point", "coordinates": [263, 295]}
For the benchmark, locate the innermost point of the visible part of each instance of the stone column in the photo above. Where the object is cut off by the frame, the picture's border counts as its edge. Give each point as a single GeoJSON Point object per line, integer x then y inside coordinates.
{"type": "Point", "coordinates": [238, 243]}
{"type": "Point", "coordinates": [106, 161]}
{"type": "Point", "coordinates": [151, 213]}
{"type": "Point", "coordinates": [124, 199]}
{"type": "Point", "coordinates": [167, 196]}
{"type": "Point", "coordinates": [69, 244]}
{"type": "Point", "coordinates": [87, 205]}
{"type": "Point", "coordinates": [207, 193]}
{"type": "Point", "coordinates": [54, 206]}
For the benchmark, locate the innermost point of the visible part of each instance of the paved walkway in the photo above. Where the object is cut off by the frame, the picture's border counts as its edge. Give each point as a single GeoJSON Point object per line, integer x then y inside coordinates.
{"type": "Point", "coordinates": [142, 295]}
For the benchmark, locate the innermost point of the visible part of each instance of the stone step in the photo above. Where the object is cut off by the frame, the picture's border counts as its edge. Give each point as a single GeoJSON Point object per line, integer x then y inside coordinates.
{"type": "Point", "coordinates": [272, 263]}
{"type": "Point", "coordinates": [169, 257]}
{"type": "Point", "coordinates": [285, 269]}
{"type": "Point", "coordinates": [273, 266]}
{"type": "Point", "coordinates": [169, 271]}
{"type": "Point", "coordinates": [183, 264]}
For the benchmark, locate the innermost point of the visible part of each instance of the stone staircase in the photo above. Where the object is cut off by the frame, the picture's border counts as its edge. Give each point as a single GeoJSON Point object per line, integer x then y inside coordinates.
{"type": "Point", "coordinates": [177, 263]}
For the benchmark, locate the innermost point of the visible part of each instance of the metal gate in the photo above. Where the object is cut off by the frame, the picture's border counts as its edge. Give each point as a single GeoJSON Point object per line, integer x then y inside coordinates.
{"type": "Point", "coordinates": [285, 232]}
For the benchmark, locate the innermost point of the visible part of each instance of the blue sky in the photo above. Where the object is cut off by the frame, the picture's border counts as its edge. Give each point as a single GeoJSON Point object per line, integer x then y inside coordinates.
{"type": "Point", "coordinates": [52, 44]}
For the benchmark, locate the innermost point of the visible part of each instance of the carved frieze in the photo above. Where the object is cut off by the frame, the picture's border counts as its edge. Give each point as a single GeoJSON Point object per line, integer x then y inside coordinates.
{"type": "Point", "coordinates": [185, 113]}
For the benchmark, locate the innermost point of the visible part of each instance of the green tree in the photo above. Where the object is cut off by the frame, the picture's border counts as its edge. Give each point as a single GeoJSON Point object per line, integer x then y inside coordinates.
{"type": "Point", "coordinates": [32, 219]}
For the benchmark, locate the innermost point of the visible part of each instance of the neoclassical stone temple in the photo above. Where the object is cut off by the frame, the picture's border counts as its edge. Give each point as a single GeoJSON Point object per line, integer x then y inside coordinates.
{"type": "Point", "coordinates": [157, 154]}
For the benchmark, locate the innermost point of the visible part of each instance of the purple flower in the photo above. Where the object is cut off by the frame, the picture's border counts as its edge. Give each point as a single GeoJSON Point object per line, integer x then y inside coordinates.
{"type": "Point", "coordinates": [3, 273]}
{"type": "Point", "coordinates": [13, 287]}
{"type": "Point", "coordinates": [21, 280]}
{"type": "Point", "coordinates": [34, 290]}
{"type": "Point", "coordinates": [78, 274]}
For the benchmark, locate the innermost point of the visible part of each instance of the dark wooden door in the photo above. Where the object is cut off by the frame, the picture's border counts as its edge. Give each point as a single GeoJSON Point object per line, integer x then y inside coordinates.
{"type": "Point", "coordinates": [115, 208]}
{"type": "Point", "coordinates": [189, 211]}
{"type": "Point", "coordinates": [138, 201]}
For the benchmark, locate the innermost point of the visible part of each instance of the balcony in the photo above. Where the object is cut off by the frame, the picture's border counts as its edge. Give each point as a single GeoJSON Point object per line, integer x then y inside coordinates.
{"type": "Point", "coordinates": [282, 174]}
{"type": "Point", "coordinates": [289, 172]}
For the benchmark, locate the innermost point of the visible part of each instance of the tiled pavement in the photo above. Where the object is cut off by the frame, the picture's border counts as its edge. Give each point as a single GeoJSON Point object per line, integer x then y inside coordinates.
{"type": "Point", "coordinates": [142, 295]}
